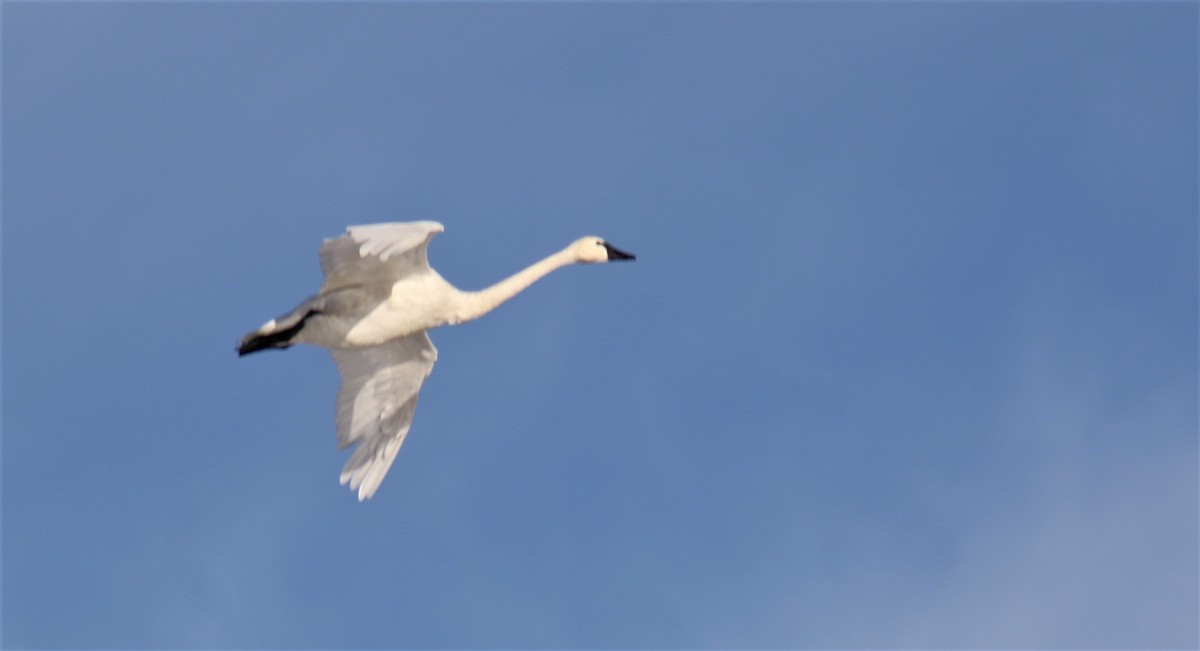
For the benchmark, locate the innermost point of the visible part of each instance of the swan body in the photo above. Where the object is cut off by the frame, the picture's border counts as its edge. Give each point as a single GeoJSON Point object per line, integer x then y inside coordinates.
{"type": "Point", "coordinates": [379, 298]}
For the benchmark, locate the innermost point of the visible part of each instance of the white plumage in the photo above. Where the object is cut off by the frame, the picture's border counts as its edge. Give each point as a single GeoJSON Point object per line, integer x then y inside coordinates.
{"type": "Point", "coordinates": [379, 298]}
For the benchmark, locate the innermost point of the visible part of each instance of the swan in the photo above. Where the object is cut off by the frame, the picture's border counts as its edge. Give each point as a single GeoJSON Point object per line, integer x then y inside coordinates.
{"type": "Point", "coordinates": [373, 312]}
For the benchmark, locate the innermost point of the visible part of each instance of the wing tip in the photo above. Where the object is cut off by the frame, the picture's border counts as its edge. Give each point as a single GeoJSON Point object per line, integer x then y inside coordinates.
{"type": "Point", "coordinates": [360, 480]}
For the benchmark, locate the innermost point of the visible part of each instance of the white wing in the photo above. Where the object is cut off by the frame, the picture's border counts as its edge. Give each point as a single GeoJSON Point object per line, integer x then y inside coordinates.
{"type": "Point", "coordinates": [375, 404]}
{"type": "Point", "coordinates": [381, 253]}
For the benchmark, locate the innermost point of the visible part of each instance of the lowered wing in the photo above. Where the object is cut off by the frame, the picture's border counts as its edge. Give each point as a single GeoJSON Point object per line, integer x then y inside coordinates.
{"type": "Point", "coordinates": [375, 404]}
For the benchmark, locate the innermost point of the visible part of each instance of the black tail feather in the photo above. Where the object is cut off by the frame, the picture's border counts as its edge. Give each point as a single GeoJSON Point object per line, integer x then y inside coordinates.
{"type": "Point", "coordinates": [254, 342]}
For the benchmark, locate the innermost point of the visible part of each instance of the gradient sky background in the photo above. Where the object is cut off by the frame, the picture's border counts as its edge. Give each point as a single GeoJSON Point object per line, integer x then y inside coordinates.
{"type": "Point", "coordinates": [908, 357]}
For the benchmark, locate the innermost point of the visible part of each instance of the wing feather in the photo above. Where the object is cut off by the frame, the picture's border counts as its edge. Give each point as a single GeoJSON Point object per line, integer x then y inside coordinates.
{"type": "Point", "coordinates": [376, 253]}
{"type": "Point", "coordinates": [375, 404]}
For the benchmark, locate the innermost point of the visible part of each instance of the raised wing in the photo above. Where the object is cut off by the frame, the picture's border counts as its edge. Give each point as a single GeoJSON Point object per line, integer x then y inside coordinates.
{"type": "Point", "coordinates": [376, 253]}
{"type": "Point", "coordinates": [375, 404]}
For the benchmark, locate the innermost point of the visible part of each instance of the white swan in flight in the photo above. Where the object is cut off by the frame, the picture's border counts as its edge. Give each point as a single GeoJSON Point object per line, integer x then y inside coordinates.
{"type": "Point", "coordinates": [379, 298]}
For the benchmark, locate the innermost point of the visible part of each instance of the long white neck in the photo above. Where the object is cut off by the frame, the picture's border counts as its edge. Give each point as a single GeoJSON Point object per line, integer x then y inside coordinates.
{"type": "Point", "coordinates": [472, 305]}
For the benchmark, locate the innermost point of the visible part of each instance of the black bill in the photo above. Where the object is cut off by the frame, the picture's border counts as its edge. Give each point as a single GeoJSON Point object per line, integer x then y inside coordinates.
{"type": "Point", "coordinates": [617, 254]}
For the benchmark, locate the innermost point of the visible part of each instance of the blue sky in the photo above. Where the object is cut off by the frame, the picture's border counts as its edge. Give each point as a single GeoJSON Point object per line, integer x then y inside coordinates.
{"type": "Point", "coordinates": [908, 357]}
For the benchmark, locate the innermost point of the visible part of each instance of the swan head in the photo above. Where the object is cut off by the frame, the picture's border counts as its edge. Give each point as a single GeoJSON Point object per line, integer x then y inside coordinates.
{"type": "Point", "coordinates": [594, 249]}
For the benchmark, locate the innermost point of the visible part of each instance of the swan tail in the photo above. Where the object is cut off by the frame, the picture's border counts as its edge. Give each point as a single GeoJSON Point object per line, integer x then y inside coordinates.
{"type": "Point", "coordinates": [276, 333]}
